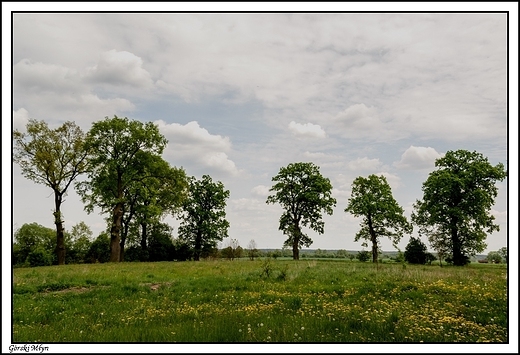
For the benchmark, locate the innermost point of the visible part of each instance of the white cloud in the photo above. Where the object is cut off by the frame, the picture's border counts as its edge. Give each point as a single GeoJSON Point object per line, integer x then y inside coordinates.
{"type": "Point", "coordinates": [307, 130]}
{"type": "Point", "coordinates": [393, 180]}
{"type": "Point", "coordinates": [119, 68]}
{"type": "Point", "coordinates": [359, 116]}
{"type": "Point", "coordinates": [364, 164]}
{"type": "Point", "coordinates": [260, 190]}
{"type": "Point", "coordinates": [196, 149]}
{"type": "Point", "coordinates": [415, 158]}
{"type": "Point", "coordinates": [40, 77]}
{"type": "Point", "coordinates": [20, 119]}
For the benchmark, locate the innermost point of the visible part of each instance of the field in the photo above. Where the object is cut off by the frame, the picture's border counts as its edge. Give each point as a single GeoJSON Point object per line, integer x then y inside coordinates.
{"type": "Point", "coordinates": [265, 300]}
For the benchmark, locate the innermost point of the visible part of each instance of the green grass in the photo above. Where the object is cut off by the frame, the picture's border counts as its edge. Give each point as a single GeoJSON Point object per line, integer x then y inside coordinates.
{"type": "Point", "coordinates": [235, 301]}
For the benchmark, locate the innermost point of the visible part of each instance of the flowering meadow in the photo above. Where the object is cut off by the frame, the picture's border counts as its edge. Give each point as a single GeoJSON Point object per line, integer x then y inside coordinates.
{"type": "Point", "coordinates": [261, 301]}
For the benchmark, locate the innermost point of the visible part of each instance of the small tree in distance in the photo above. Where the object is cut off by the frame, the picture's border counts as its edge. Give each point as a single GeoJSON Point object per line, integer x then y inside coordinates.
{"type": "Point", "coordinates": [252, 251]}
{"type": "Point", "coordinates": [416, 252]}
{"type": "Point", "coordinates": [363, 255]}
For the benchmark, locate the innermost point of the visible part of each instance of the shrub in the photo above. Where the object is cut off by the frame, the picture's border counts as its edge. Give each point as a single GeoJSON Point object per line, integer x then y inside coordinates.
{"type": "Point", "coordinates": [99, 250]}
{"type": "Point", "coordinates": [363, 255]}
{"type": "Point", "coordinates": [415, 252]}
{"type": "Point", "coordinates": [39, 257]}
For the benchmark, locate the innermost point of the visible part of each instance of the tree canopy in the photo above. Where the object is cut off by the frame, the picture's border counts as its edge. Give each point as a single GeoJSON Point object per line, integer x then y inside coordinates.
{"type": "Point", "coordinates": [372, 199]}
{"type": "Point", "coordinates": [456, 203]}
{"type": "Point", "coordinates": [304, 194]}
{"type": "Point", "coordinates": [117, 147]}
{"type": "Point", "coordinates": [203, 220]}
{"type": "Point", "coordinates": [52, 157]}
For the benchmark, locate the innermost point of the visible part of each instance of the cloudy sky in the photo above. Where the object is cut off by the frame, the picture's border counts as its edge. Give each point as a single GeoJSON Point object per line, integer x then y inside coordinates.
{"type": "Point", "coordinates": [240, 95]}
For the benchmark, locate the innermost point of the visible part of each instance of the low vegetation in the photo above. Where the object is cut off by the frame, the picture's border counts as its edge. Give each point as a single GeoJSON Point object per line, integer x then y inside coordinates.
{"type": "Point", "coordinates": [264, 300]}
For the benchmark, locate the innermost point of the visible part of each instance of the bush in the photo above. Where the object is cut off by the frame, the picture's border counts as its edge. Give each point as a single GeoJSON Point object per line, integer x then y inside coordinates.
{"type": "Point", "coordinates": [99, 250]}
{"type": "Point", "coordinates": [363, 256]}
{"type": "Point", "coordinates": [39, 257]}
{"type": "Point", "coordinates": [415, 252]}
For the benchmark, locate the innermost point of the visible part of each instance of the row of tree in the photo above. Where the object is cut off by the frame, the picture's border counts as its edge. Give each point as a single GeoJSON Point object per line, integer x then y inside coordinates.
{"type": "Point", "coordinates": [454, 213]}
{"type": "Point", "coordinates": [127, 179]}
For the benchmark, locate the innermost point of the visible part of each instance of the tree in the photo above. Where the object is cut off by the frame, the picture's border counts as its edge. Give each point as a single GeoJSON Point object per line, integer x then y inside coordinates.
{"type": "Point", "coordinates": [372, 199]}
{"type": "Point", "coordinates": [161, 242]}
{"type": "Point", "coordinates": [204, 221]}
{"type": "Point", "coordinates": [99, 250]}
{"type": "Point", "coordinates": [440, 242]}
{"type": "Point", "coordinates": [233, 250]}
{"type": "Point", "coordinates": [80, 242]}
{"type": "Point", "coordinates": [363, 255]}
{"type": "Point", "coordinates": [31, 237]}
{"type": "Point", "coordinates": [252, 251]}
{"type": "Point", "coordinates": [117, 146]}
{"type": "Point", "coordinates": [494, 257]}
{"type": "Point", "coordinates": [415, 252]}
{"type": "Point", "coordinates": [304, 194]}
{"type": "Point", "coordinates": [161, 190]}
{"type": "Point", "coordinates": [503, 253]}
{"type": "Point", "coordinates": [54, 158]}
{"type": "Point", "coordinates": [456, 203]}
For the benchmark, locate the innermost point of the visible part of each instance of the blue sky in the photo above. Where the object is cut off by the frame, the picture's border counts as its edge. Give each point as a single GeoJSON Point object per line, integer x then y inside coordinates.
{"type": "Point", "coordinates": [240, 95]}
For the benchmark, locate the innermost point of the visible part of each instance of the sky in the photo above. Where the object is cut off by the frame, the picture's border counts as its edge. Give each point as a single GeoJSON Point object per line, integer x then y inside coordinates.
{"type": "Point", "coordinates": [240, 95]}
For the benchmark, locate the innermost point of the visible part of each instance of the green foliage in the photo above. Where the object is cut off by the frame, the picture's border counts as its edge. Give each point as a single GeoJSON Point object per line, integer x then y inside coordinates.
{"type": "Point", "coordinates": [400, 257]}
{"type": "Point", "coordinates": [203, 221]}
{"type": "Point", "coordinates": [39, 256]}
{"type": "Point", "coordinates": [99, 250]}
{"type": "Point", "coordinates": [30, 237]}
{"type": "Point", "coordinates": [363, 255]}
{"type": "Point", "coordinates": [372, 199]}
{"type": "Point", "coordinates": [456, 203]}
{"type": "Point", "coordinates": [161, 244]}
{"type": "Point", "coordinates": [121, 150]}
{"type": "Point", "coordinates": [304, 194]}
{"type": "Point", "coordinates": [251, 251]}
{"type": "Point", "coordinates": [415, 251]}
{"type": "Point", "coordinates": [503, 253]}
{"type": "Point", "coordinates": [54, 158]}
{"type": "Point", "coordinates": [79, 243]}
{"type": "Point", "coordinates": [494, 257]}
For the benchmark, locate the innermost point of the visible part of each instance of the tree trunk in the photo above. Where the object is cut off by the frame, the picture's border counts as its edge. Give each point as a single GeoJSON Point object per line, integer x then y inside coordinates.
{"type": "Point", "coordinates": [296, 240]}
{"type": "Point", "coordinates": [122, 248]}
{"type": "Point", "coordinates": [144, 245]}
{"type": "Point", "coordinates": [115, 248]}
{"type": "Point", "coordinates": [60, 236]}
{"type": "Point", "coordinates": [373, 238]}
{"type": "Point", "coordinates": [458, 259]}
{"type": "Point", "coordinates": [295, 250]}
{"type": "Point", "coordinates": [198, 246]}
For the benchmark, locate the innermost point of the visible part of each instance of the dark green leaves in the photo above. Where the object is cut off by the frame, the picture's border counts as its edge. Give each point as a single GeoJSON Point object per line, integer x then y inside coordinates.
{"type": "Point", "coordinates": [457, 199]}
{"type": "Point", "coordinates": [304, 194]}
{"type": "Point", "coordinates": [372, 199]}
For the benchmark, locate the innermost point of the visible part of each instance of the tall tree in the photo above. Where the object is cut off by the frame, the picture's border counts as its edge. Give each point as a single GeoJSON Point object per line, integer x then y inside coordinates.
{"type": "Point", "coordinates": [162, 191]}
{"type": "Point", "coordinates": [304, 194]}
{"type": "Point", "coordinates": [372, 199]}
{"type": "Point", "coordinates": [457, 199]}
{"type": "Point", "coordinates": [117, 146]}
{"type": "Point", "coordinates": [204, 221]}
{"type": "Point", "coordinates": [52, 157]}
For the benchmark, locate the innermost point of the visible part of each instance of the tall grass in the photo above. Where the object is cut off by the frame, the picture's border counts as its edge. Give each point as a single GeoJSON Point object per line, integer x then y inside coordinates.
{"type": "Point", "coordinates": [238, 301]}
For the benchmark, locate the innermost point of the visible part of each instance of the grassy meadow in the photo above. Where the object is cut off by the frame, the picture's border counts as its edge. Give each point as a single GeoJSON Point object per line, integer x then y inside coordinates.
{"type": "Point", "coordinates": [260, 301]}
